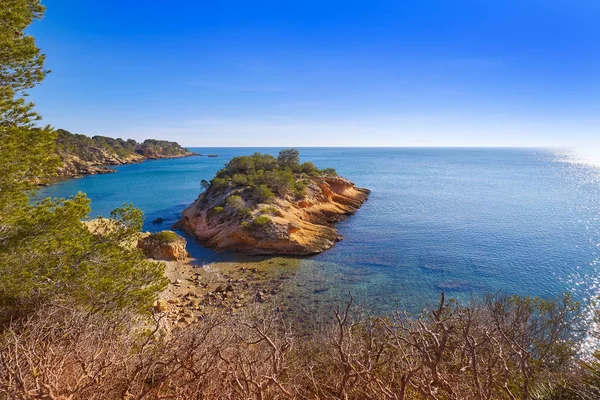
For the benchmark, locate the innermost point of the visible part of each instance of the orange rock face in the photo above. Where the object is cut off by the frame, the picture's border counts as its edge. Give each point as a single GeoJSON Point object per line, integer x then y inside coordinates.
{"type": "Point", "coordinates": [294, 227]}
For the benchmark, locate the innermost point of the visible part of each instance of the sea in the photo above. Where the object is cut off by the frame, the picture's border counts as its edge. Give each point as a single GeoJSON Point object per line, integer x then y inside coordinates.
{"type": "Point", "coordinates": [463, 221]}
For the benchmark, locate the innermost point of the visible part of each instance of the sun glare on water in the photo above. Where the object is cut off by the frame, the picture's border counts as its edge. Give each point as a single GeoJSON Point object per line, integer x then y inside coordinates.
{"type": "Point", "coordinates": [585, 163]}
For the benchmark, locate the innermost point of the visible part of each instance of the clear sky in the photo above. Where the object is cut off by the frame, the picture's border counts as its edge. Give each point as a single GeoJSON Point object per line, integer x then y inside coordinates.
{"type": "Point", "coordinates": [325, 73]}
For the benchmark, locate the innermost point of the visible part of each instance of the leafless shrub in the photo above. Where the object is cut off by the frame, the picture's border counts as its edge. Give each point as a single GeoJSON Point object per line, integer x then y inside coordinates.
{"type": "Point", "coordinates": [504, 347]}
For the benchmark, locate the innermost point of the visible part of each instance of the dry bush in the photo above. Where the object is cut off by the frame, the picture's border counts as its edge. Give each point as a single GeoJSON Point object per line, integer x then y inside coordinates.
{"type": "Point", "coordinates": [66, 354]}
{"type": "Point", "coordinates": [504, 347]}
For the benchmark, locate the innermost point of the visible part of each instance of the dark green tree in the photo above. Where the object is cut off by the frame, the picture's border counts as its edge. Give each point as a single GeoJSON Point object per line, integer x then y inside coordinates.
{"type": "Point", "coordinates": [47, 252]}
{"type": "Point", "coordinates": [289, 158]}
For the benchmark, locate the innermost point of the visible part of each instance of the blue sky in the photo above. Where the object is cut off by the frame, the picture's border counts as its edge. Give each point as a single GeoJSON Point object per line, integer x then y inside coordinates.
{"type": "Point", "coordinates": [325, 73]}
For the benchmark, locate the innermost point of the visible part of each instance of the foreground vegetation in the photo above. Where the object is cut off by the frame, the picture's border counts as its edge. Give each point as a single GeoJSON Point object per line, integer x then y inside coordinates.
{"type": "Point", "coordinates": [500, 348]}
{"type": "Point", "coordinates": [75, 319]}
{"type": "Point", "coordinates": [47, 254]}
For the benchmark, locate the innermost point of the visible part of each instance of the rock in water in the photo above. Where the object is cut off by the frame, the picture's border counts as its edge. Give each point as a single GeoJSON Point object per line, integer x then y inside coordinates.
{"type": "Point", "coordinates": [165, 245]}
{"type": "Point", "coordinates": [232, 216]}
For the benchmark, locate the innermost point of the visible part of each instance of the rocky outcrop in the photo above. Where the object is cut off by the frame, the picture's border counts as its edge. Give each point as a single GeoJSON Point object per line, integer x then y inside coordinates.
{"type": "Point", "coordinates": [83, 155]}
{"type": "Point", "coordinates": [284, 225]}
{"type": "Point", "coordinates": [74, 166]}
{"type": "Point", "coordinates": [165, 245]}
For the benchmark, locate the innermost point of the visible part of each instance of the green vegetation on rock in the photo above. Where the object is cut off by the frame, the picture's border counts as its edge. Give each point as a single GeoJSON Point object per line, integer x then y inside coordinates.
{"type": "Point", "coordinates": [266, 175]}
{"type": "Point", "coordinates": [165, 236]}
{"type": "Point", "coordinates": [81, 154]}
{"type": "Point", "coordinates": [248, 182]}
{"type": "Point", "coordinates": [261, 220]}
{"type": "Point", "coordinates": [217, 210]}
{"type": "Point", "coordinates": [271, 211]}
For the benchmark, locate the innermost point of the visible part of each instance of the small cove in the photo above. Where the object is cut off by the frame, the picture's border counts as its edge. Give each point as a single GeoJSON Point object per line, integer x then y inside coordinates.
{"type": "Point", "coordinates": [462, 221]}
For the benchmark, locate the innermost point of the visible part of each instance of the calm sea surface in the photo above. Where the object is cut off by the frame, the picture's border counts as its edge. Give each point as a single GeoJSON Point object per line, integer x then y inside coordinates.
{"type": "Point", "coordinates": [462, 221]}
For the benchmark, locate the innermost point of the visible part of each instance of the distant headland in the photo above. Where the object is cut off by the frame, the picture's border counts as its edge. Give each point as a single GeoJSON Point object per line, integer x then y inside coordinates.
{"type": "Point", "coordinates": [84, 155]}
{"type": "Point", "coordinates": [260, 204]}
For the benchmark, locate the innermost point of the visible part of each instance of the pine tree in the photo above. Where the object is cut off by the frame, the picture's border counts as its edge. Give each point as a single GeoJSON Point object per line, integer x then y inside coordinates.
{"type": "Point", "coordinates": [47, 252]}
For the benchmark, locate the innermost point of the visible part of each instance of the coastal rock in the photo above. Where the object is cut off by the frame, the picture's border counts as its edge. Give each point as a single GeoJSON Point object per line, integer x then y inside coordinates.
{"type": "Point", "coordinates": [165, 245]}
{"type": "Point", "coordinates": [82, 155]}
{"type": "Point", "coordinates": [285, 225]}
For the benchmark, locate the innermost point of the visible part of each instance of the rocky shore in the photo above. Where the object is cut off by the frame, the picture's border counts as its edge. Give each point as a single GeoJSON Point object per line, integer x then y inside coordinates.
{"type": "Point", "coordinates": [225, 287]}
{"type": "Point", "coordinates": [194, 290]}
{"type": "Point", "coordinates": [82, 155]}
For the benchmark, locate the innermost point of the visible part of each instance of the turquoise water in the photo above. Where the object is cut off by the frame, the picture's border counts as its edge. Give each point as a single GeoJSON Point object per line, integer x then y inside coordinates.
{"type": "Point", "coordinates": [462, 221]}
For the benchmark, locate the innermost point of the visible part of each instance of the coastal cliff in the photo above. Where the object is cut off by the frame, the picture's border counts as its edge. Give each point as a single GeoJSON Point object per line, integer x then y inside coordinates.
{"type": "Point", "coordinates": [83, 155]}
{"type": "Point", "coordinates": [262, 205]}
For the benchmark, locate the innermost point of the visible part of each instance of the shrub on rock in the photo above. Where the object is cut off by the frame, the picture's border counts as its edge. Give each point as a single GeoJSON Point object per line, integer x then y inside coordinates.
{"type": "Point", "coordinates": [165, 245]}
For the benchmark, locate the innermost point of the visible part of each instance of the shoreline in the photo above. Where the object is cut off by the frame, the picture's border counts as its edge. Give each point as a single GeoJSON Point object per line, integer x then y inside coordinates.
{"type": "Point", "coordinates": [196, 290]}
{"type": "Point", "coordinates": [106, 168]}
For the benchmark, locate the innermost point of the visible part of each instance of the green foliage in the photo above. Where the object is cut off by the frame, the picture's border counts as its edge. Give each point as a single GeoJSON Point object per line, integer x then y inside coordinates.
{"type": "Point", "coordinates": [46, 252]}
{"type": "Point", "coordinates": [261, 220]}
{"type": "Point", "coordinates": [329, 171]}
{"type": "Point", "coordinates": [98, 149]}
{"type": "Point", "coordinates": [309, 169]}
{"type": "Point", "coordinates": [165, 236]}
{"type": "Point", "coordinates": [281, 176]}
{"type": "Point", "coordinates": [299, 189]}
{"type": "Point", "coordinates": [289, 158]}
{"type": "Point", "coordinates": [153, 147]}
{"type": "Point", "coordinates": [22, 63]}
{"type": "Point", "coordinates": [239, 180]}
{"type": "Point", "coordinates": [237, 205]}
{"type": "Point", "coordinates": [129, 217]}
{"type": "Point", "coordinates": [280, 181]}
{"type": "Point", "coordinates": [271, 211]}
{"type": "Point", "coordinates": [205, 184]}
{"type": "Point", "coordinates": [588, 380]}
{"type": "Point", "coordinates": [26, 150]}
{"type": "Point", "coordinates": [236, 202]}
{"type": "Point", "coordinates": [262, 194]}
{"type": "Point", "coordinates": [216, 210]}
{"type": "Point", "coordinates": [55, 255]}
{"type": "Point", "coordinates": [218, 183]}
{"type": "Point", "coordinates": [244, 224]}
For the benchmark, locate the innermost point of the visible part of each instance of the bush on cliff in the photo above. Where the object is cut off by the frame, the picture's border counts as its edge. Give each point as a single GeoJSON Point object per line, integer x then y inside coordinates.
{"type": "Point", "coordinates": [271, 210]}
{"type": "Point", "coordinates": [165, 236]}
{"type": "Point", "coordinates": [503, 347]}
{"type": "Point", "coordinates": [262, 194]}
{"type": "Point", "coordinates": [261, 220]}
{"type": "Point", "coordinates": [237, 205]}
{"type": "Point", "coordinates": [235, 202]}
{"type": "Point", "coordinates": [281, 175]}
{"type": "Point", "coordinates": [288, 158]}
